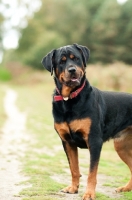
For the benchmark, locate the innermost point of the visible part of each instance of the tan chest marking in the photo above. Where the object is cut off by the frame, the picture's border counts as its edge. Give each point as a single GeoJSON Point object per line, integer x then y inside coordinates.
{"type": "Point", "coordinates": [62, 129]}
{"type": "Point", "coordinates": [83, 126]}
{"type": "Point", "coordinates": [66, 91]}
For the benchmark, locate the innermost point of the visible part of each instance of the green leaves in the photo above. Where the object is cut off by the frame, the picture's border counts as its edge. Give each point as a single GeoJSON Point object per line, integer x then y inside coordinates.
{"type": "Point", "coordinates": [105, 27]}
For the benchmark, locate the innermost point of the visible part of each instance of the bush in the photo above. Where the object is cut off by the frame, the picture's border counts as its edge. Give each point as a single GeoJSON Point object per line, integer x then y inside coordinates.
{"type": "Point", "coordinates": [35, 54]}
{"type": "Point", "coordinates": [5, 75]}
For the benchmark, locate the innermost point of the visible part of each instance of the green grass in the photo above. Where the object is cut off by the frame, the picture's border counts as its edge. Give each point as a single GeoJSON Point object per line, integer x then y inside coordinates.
{"type": "Point", "coordinates": [42, 160]}
{"type": "Point", "coordinates": [102, 197]}
{"type": "Point", "coordinates": [5, 75]}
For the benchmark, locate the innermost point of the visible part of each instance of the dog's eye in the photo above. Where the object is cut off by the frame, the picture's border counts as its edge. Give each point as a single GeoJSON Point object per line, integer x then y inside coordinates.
{"type": "Point", "coordinates": [75, 58]}
{"type": "Point", "coordinates": [62, 62]}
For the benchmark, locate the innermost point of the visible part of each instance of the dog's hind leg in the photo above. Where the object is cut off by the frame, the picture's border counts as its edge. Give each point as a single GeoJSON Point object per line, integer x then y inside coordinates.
{"type": "Point", "coordinates": [123, 146]}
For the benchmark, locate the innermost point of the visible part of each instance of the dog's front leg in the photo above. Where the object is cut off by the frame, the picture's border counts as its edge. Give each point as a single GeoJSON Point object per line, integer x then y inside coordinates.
{"type": "Point", "coordinates": [72, 155]}
{"type": "Point", "coordinates": [95, 149]}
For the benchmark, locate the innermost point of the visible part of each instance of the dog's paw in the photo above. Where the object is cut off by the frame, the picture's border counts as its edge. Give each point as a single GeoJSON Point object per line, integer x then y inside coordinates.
{"type": "Point", "coordinates": [70, 189]}
{"type": "Point", "coordinates": [89, 196]}
{"type": "Point", "coordinates": [124, 189]}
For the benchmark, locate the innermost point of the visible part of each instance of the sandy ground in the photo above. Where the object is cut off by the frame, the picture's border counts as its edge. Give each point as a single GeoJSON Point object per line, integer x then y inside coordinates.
{"type": "Point", "coordinates": [12, 148]}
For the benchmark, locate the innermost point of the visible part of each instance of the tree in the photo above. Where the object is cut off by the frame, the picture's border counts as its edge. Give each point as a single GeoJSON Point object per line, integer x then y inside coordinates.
{"type": "Point", "coordinates": [105, 27]}
{"type": "Point", "coordinates": [1, 30]}
{"type": "Point", "coordinates": [13, 19]}
{"type": "Point", "coordinates": [124, 38]}
{"type": "Point", "coordinates": [97, 24]}
{"type": "Point", "coordinates": [54, 25]}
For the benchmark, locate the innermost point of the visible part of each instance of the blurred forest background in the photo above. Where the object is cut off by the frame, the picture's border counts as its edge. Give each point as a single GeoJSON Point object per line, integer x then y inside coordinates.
{"type": "Point", "coordinates": [35, 28]}
{"type": "Point", "coordinates": [104, 26]}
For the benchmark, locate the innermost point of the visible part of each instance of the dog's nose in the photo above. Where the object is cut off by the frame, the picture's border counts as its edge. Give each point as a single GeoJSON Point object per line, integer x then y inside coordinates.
{"type": "Point", "coordinates": [71, 69]}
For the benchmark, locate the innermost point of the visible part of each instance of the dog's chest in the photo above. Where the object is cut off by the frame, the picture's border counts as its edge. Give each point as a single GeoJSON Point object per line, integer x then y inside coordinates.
{"type": "Point", "coordinates": [76, 131]}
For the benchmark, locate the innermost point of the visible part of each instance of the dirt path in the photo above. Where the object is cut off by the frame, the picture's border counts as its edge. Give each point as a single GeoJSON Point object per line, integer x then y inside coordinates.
{"type": "Point", "coordinates": [11, 149]}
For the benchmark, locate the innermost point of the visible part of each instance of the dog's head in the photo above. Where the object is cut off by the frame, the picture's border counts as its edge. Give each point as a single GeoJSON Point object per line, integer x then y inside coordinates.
{"type": "Point", "coordinates": [68, 64]}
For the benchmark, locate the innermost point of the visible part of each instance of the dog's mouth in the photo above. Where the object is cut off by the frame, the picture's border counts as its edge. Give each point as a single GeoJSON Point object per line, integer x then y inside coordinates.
{"type": "Point", "coordinates": [72, 81]}
{"type": "Point", "coordinates": [74, 77]}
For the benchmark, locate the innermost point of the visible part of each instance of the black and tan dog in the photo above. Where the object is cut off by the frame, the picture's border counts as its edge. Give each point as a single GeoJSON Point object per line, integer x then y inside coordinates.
{"type": "Point", "coordinates": [86, 117]}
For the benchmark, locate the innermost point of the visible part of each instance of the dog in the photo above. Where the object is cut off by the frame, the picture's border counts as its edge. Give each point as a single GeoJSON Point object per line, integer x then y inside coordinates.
{"type": "Point", "coordinates": [85, 116]}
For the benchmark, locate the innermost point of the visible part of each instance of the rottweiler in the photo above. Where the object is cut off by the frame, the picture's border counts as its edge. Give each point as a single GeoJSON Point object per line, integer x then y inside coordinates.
{"type": "Point", "coordinates": [85, 116]}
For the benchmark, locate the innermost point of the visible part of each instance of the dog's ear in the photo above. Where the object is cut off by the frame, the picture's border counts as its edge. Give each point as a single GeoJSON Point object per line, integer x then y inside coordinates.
{"type": "Point", "coordinates": [85, 53]}
{"type": "Point", "coordinates": [48, 60]}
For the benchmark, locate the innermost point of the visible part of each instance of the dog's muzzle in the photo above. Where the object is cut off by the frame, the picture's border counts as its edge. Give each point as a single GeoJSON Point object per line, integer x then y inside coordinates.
{"type": "Point", "coordinates": [72, 69]}
{"type": "Point", "coordinates": [73, 74]}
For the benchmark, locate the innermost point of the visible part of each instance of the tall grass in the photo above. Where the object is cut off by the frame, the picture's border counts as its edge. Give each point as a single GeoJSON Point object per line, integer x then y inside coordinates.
{"type": "Point", "coordinates": [117, 76]}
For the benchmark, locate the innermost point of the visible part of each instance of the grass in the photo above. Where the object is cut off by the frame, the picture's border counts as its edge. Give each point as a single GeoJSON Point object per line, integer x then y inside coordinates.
{"type": "Point", "coordinates": [45, 156]}
{"type": "Point", "coordinates": [112, 77]}
{"type": "Point", "coordinates": [103, 197]}
{"type": "Point", "coordinates": [5, 75]}
{"type": "Point", "coordinates": [2, 112]}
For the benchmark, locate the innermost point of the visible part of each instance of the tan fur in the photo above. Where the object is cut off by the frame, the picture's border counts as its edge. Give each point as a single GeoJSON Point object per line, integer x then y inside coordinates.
{"type": "Point", "coordinates": [83, 126]}
{"type": "Point", "coordinates": [90, 191]}
{"type": "Point", "coordinates": [123, 146]}
{"type": "Point", "coordinates": [72, 56]}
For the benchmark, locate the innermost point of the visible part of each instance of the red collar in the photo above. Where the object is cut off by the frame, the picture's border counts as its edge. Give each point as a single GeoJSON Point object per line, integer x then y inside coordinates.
{"type": "Point", "coordinates": [72, 95]}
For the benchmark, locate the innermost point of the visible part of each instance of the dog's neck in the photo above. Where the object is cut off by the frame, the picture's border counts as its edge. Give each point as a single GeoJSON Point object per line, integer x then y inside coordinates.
{"type": "Point", "coordinates": [65, 92]}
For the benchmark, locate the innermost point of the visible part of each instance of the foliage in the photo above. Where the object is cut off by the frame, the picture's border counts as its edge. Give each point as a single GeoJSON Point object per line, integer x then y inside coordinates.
{"type": "Point", "coordinates": [4, 74]}
{"type": "Point", "coordinates": [125, 33]}
{"type": "Point", "coordinates": [105, 27]}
